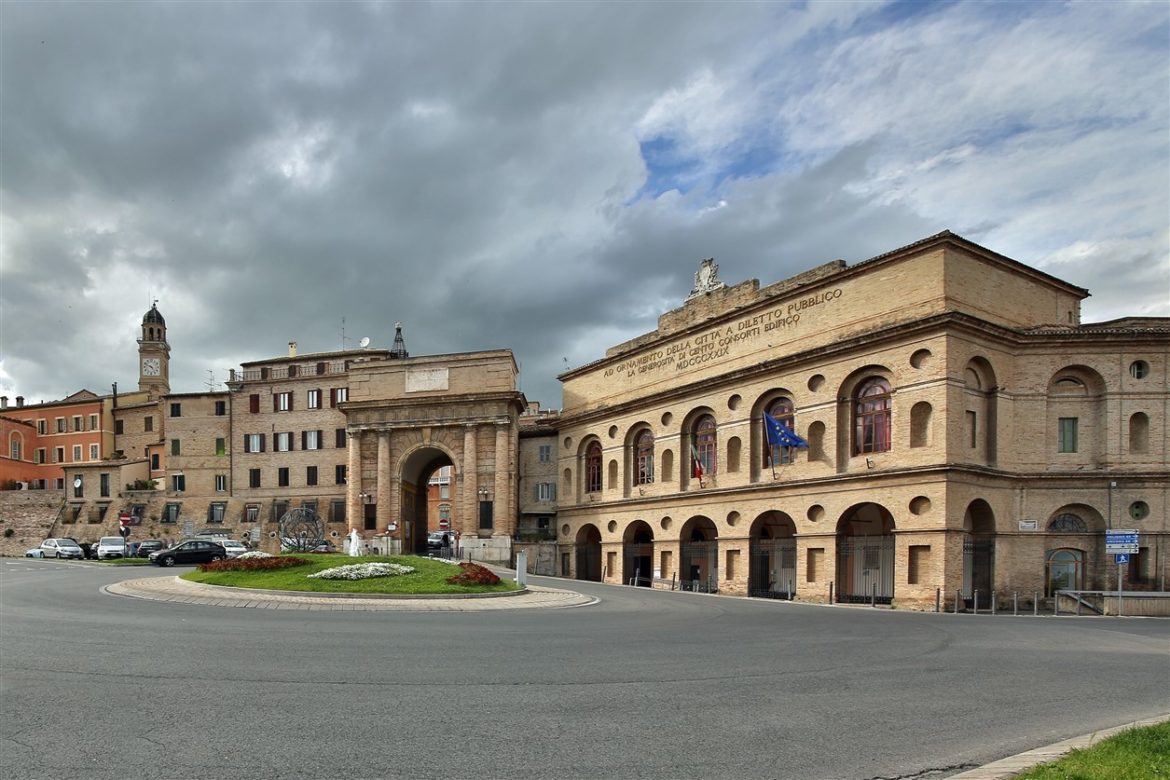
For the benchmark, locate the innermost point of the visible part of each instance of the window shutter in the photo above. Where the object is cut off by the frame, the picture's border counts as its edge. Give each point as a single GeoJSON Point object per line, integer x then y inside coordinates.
{"type": "Point", "coordinates": [291, 441]}
{"type": "Point", "coordinates": [254, 403]}
{"type": "Point", "coordinates": [304, 440]}
{"type": "Point", "coordinates": [552, 491]}
{"type": "Point", "coordinates": [333, 397]}
{"type": "Point", "coordinates": [320, 441]}
{"type": "Point", "coordinates": [262, 442]}
{"type": "Point", "coordinates": [291, 397]}
{"type": "Point", "coordinates": [537, 491]}
{"type": "Point", "coordinates": [275, 403]}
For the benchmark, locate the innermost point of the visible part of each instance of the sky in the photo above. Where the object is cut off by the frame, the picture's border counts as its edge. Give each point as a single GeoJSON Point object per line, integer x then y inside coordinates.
{"type": "Point", "coordinates": [543, 177]}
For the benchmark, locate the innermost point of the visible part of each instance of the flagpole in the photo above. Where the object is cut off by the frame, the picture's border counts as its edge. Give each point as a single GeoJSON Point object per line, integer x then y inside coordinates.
{"type": "Point", "coordinates": [768, 442]}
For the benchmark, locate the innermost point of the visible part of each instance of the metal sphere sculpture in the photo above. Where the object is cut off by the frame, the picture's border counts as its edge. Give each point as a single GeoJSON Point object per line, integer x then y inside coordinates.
{"type": "Point", "coordinates": [301, 530]}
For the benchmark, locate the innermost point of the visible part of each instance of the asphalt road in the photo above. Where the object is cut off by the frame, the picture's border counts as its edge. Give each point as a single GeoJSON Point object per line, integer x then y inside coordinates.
{"type": "Point", "coordinates": [643, 685]}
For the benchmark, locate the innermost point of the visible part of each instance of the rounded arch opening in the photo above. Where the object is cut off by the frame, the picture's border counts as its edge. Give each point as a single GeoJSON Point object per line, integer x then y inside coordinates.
{"type": "Point", "coordinates": [772, 556]}
{"type": "Point", "coordinates": [699, 555]}
{"type": "Point", "coordinates": [638, 554]}
{"type": "Point", "coordinates": [865, 554]}
{"type": "Point", "coordinates": [428, 482]}
{"type": "Point", "coordinates": [588, 548]}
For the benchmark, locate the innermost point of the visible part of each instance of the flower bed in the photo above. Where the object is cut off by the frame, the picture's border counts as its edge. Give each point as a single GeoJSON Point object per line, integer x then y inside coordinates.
{"type": "Point", "coordinates": [244, 563]}
{"type": "Point", "coordinates": [362, 571]}
{"type": "Point", "coordinates": [254, 554]}
{"type": "Point", "coordinates": [473, 574]}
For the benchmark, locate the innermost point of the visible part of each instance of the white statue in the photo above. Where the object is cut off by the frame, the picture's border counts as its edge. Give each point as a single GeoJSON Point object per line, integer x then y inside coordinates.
{"type": "Point", "coordinates": [355, 543]}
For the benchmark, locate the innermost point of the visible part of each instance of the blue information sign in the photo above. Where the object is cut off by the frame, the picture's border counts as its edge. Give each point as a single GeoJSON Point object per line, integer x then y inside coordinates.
{"type": "Point", "coordinates": [1121, 558]}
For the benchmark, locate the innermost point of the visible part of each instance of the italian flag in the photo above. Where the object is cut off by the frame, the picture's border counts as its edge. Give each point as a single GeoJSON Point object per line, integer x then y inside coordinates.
{"type": "Point", "coordinates": [696, 465]}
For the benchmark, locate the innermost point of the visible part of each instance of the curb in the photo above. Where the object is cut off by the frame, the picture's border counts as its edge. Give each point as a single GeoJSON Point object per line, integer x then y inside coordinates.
{"type": "Point", "coordinates": [1013, 765]}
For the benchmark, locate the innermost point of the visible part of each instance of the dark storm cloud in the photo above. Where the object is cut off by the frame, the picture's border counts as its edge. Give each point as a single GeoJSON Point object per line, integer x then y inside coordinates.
{"type": "Point", "coordinates": [474, 170]}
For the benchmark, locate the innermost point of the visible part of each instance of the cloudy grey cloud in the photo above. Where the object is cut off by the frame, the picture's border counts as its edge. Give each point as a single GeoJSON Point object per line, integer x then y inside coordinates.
{"type": "Point", "coordinates": [543, 177]}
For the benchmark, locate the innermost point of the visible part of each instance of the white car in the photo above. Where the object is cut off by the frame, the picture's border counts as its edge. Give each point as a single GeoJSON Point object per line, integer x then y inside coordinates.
{"type": "Point", "coordinates": [111, 547]}
{"type": "Point", "coordinates": [61, 548]}
{"type": "Point", "coordinates": [233, 547]}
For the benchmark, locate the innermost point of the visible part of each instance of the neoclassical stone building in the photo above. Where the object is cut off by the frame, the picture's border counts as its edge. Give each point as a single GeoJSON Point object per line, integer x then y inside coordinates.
{"type": "Point", "coordinates": [966, 432]}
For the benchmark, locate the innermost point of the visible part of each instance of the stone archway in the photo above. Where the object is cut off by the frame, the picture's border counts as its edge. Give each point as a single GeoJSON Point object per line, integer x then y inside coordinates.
{"type": "Point", "coordinates": [415, 470]}
{"type": "Point", "coordinates": [978, 549]}
{"type": "Point", "coordinates": [699, 556]}
{"type": "Point", "coordinates": [588, 547]}
{"type": "Point", "coordinates": [638, 554]}
{"type": "Point", "coordinates": [865, 554]}
{"type": "Point", "coordinates": [772, 555]}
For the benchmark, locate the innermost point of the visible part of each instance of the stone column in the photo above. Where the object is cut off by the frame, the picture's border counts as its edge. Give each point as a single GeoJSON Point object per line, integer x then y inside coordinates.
{"type": "Point", "coordinates": [353, 479]}
{"type": "Point", "coordinates": [385, 512]}
{"type": "Point", "coordinates": [502, 520]}
{"type": "Point", "coordinates": [468, 519]}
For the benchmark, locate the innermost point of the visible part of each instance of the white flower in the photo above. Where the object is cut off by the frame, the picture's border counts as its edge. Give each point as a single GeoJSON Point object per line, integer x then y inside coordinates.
{"type": "Point", "coordinates": [253, 554]}
{"type": "Point", "coordinates": [362, 571]}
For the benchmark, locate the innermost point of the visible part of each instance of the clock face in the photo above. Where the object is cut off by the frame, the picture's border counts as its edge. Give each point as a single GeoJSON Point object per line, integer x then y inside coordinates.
{"type": "Point", "coordinates": [151, 367]}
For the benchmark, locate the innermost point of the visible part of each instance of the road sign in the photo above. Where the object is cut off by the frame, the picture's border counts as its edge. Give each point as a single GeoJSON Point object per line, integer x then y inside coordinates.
{"type": "Point", "coordinates": [1121, 558]}
{"type": "Point", "coordinates": [1121, 541]}
{"type": "Point", "coordinates": [444, 524]}
{"type": "Point", "coordinates": [124, 518]}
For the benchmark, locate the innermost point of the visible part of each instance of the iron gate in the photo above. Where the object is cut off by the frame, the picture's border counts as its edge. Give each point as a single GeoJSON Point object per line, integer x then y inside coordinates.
{"type": "Point", "coordinates": [698, 568]}
{"type": "Point", "coordinates": [978, 564]}
{"type": "Point", "coordinates": [638, 564]}
{"type": "Point", "coordinates": [589, 562]}
{"type": "Point", "coordinates": [865, 569]}
{"type": "Point", "coordinates": [772, 568]}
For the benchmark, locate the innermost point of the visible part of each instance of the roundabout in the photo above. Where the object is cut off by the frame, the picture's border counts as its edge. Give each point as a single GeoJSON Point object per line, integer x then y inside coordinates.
{"type": "Point", "coordinates": [179, 591]}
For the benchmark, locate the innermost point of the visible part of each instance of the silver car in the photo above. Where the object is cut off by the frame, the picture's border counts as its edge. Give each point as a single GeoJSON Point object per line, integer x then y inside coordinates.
{"type": "Point", "coordinates": [61, 548]}
{"type": "Point", "coordinates": [234, 548]}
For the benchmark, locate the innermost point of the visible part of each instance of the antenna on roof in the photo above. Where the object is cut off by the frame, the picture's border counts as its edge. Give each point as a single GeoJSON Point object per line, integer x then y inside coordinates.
{"type": "Point", "coordinates": [343, 338]}
{"type": "Point", "coordinates": [211, 383]}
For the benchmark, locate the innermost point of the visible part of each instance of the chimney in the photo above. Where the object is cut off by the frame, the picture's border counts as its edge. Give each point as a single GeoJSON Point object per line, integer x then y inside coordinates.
{"type": "Point", "coordinates": [19, 401]}
{"type": "Point", "coordinates": [3, 402]}
{"type": "Point", "coordinates": [292, 349]}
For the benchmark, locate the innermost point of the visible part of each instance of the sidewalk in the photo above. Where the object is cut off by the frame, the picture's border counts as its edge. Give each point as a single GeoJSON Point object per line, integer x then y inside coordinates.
{"type": "Point", "coordinates": [177, 591]}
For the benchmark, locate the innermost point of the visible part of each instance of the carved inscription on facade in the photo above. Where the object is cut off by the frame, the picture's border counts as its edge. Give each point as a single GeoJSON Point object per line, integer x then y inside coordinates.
{"type": "Point", "coordinates": [719, 342]}
{"type": "Point", "coordinates": [419, 380]}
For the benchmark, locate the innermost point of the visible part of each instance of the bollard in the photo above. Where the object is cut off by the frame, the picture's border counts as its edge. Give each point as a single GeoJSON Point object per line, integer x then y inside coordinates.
{"type": "Point", "coordinates": [873, 597]}
{"type": "Point", "coordinates": [975, 602]}
{"type": "Point", "coordinates": [993, 602]}
{"type": "Point", "coordinates": [958, 595]}
{"type": "Point", "coordinates": [1015, 603]}
{"type": "Point", "coordinates": [937, 599]}
{"type": "Point", "coordinates": [637, 575]}
{"type": "Point", "coordinates": [830, 593]}
{"type": "Point", "coordinates": [672, 582]}
{"type": "Point", "coordinates": [1078, 606]}
{"type": "Point", "coordinates": [1056, 603]}
{"type": "Point", "coordinates": [1035, 603]}
{"type": "Point", "coordinates": [790, 590]}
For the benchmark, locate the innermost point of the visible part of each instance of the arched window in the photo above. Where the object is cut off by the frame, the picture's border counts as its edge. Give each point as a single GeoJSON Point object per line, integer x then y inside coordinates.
{"type": "Point", "coordinates": [704, 443]}
{"type": "Point", "coordinates": [1068, 523]}
{"type": "Point", "coordinates": [1065, 570]}
{"type": "Point", "coordinates": [644, 458]}
{"type": "Point", "coordinates": [871, 429]}
{"type": "Point", "coordinates": [15, 450]}
{"type": "Point", "coordinates": [593, 468]}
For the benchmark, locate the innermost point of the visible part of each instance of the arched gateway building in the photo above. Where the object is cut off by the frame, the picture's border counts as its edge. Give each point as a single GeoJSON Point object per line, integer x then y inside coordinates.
{"type": "Point", "coordinates": [965, 432]}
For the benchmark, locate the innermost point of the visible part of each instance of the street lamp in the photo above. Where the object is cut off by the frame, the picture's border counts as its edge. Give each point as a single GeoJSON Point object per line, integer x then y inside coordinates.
{"type": "Point", "coordinates": [485, 509]}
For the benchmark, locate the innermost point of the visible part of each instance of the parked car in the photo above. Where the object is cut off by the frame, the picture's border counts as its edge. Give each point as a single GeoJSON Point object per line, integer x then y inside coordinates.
{"type": "Point", "coordinates": [61, 548]}
{"type": "Point", "coordinates": [324, 546]}
{"type": "Point", "coordinates": [234, 548]}
{"type": "Point", "coordinates": [147, 546]}
{"type": "Point", "coordinates": [111, 547]}
{"type": "Point", "coordinates": [35, 552]}
{"type": "Point", "coordinates": [190, 551]}
{"type": "Point", "coordinates": [437, 540]}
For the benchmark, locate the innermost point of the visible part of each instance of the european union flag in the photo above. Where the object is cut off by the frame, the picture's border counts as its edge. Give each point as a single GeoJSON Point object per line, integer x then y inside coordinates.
{"type": "Point", "coordinates": [780, 435]}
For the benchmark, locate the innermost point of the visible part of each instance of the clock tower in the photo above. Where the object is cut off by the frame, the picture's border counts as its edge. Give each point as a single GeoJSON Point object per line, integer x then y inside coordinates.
{"type": "Point", "coordinates": [154, 354]}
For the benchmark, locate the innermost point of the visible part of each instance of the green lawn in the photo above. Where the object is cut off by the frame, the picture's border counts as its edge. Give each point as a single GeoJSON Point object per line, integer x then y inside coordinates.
{"type": "Point", "coordinates": [430, 577]}
{"type": "Point", "coordinates": [1135, 754]}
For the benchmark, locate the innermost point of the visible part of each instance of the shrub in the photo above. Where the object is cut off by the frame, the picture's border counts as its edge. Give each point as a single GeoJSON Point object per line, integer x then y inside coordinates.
{"type": "Point", "coordinates": [473, 574]}
{"type": "Point", "coordinates": [252, 564]}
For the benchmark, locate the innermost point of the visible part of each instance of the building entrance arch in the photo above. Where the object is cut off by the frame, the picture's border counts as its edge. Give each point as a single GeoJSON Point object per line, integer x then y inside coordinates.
{"type": "Point", "coordinates": [978, 549]}
{"type": "Point", "coordinates": [865, 554]}
{"type": "Point", "coordinates": [638, 554]}
{"type": "Point", "coordinates": [699, 556]}
{"type": "Point", "coordinates": [588, 546]}
{"type": "Point", "coordinates": [416, 504]}
{"type": "Point", "coordinates": [772, 555]}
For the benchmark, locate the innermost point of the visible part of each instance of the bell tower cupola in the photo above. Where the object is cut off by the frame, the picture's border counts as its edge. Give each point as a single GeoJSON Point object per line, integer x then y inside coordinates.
{"type": "Point", "coordinates": [154, 354]}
